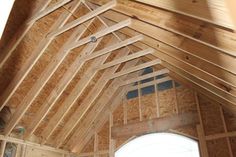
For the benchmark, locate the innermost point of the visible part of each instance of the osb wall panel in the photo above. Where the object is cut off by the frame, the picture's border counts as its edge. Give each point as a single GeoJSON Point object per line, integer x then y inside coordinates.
{"type": "Point", "coordinates": [167, 102]}
{"type": "Point", "coordinates": [133, 110]}
{"type": "Point", "coordinates": [17, 18]}
{"type": "Point", "coordinates": [230, 120]}
{"type": "Point", "coordinates": [210, 112]}
{"type": "Point", "coordinates": [89, 146]}
{"type": "Point", "coordinates": [185, 100]}
{"type": "Point", "coordinates": [118, 116]}
{"type": "Point", "coordinates": [149, 106]}
{"type": "Point", "coordinates": [218, 148]}
{"type": "Point", "coordinates": [233, 145]}
{"type": "Point", "coordinates": [24, 49]}
{"type": "Point", "coordinates": [103, 138]}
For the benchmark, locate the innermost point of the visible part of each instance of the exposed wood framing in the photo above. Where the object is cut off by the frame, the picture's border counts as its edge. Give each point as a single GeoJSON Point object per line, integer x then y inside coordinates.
{"type": "Point", "coordinates": [37, 53]}
{"type": "Point", "coordinates": [3, 146]}
{"type": "Point", "coordinates": [49, 72]}
{"type": "Point", "coordinates": [86, 54]}
{"type": "Point", "coordinates": [48, 10]}
{"type": "Point", "coordinates": [11, 46]}
{"type": "Point", "coordinates": [154, 125]}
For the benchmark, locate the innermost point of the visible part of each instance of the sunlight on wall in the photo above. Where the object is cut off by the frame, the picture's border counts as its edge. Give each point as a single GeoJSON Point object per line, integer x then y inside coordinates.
{"type": "Point", "coordinates": [5, 9]}
{"type": "Point", "coordinates": [160, 145]}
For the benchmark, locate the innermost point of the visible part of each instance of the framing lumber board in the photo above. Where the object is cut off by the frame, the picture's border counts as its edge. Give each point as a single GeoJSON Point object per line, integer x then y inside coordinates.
{"type": "Point", "coordinates": [83, 19]}
{"type": "Point", "coordinates": [154, 125]}
{"type": "Point", "coordinates": [126, 58]}
{"type": "Point", "coordinates": [63, 83]}
{"type": "Point", "coordinates": [214, 12]}
{"type": "Point", "coordinates": [143, 85]}
{"type": "Point", "coordinates": [32, 144]}
{"type": "Point", "coordinates": [89, 100]}
{"type": "Point", "coordinates": [226, 130]}
{"type": "Point", "coordinates": [194, 30]}
{"type": "Point", "coordinates": [3, 146]}
{"type": "Point", "coordinates": [97, 35]}
{"type": "Point", "coordinates": [86, 54]}
{"type": "Point", "coordinates": [135, 68]}
{"type": "Point", "coordinates": [114, 47]}
{"type": "Point", "coordinates": [179, 42]}
{"type": "Point", "coordinates": [49, 71]}
{"type": "Point", "coordinates": [202, 141]}
{"type": "Point", "coordinates": [16, 39]}
{"type": "Point", "coordinates": [146, 76]}
{"type": "Point", "coordinates": [200, 130]}
{"type": "Point", "coordinates": [48, 10]}
{"type": "Point", "coordinates": [36, 54]}
{"type": "Point", "coordinates": [42, 80]}
{"type": "Point", "coordinates": [221, 135]}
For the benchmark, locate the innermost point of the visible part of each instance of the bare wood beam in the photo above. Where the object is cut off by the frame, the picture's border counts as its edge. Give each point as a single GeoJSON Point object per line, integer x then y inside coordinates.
{"type": "Point", "coordinates": [17, 38]}
{"type": "Point", "coordinates": [202, 141]}
{"type": "Point", "coordinates": [126, 58]}
{"type": "Point", "coordinates": [214, 12]}
{"type": "Point", "coordinates": [106, 31]}
{"type": "Point", "coordinates": [32, 144]}
{"type": "Point", "coordinates": [154, 125]}
{"type": "Point", "coordinates": [146, 76]}
{"type": "Point", "coordinates": [221, 135]}
{"type": "Point", "coordinates": [114, 47]}
{"type": "Point", "coordinates": [83, 18]}
{"type": "Point", "coordinates": [36, 54]}
{"type": "Point", "coordinates": [157, 81]}
{"type": "Point", "coordinates": [136, 68]}
{"type": "Point", "coordinates": [48, 10]}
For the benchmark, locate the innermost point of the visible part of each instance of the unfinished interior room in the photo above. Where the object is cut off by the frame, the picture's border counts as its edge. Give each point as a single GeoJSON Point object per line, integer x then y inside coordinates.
{"type": "Point", "coordinates": [117, 78]}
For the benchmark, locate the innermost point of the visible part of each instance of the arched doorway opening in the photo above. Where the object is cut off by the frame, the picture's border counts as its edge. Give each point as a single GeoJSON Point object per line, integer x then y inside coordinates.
{"type": "Point", "coordinates": [160, 145]}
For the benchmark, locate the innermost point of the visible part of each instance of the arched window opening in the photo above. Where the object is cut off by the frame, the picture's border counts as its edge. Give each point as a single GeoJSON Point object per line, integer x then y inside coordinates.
{"type": "Point", "coordinates": [160, 145]}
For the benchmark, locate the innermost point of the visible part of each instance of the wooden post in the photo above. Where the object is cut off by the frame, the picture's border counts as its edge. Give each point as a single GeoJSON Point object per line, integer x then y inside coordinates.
{"type": "Point", "coordinates": [3, 146]}
{"type": "Point", "coordinates": [200, 131]}
{"type": "Point", "coordinates": [112, 142]}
